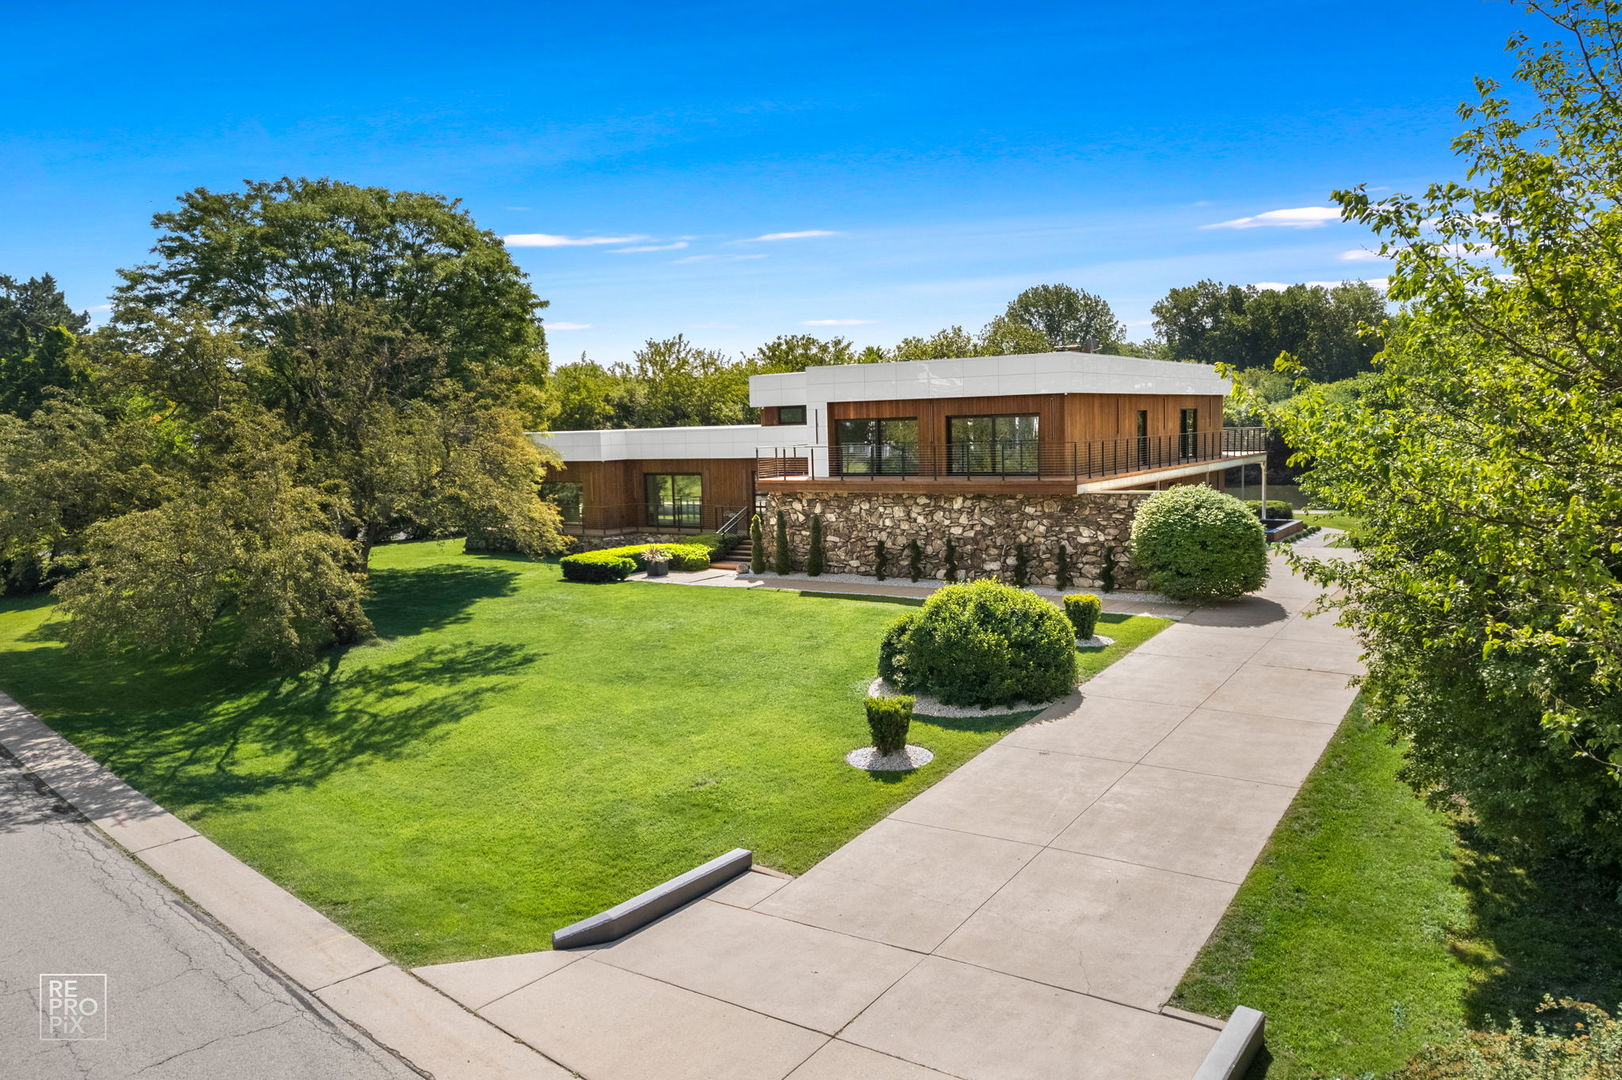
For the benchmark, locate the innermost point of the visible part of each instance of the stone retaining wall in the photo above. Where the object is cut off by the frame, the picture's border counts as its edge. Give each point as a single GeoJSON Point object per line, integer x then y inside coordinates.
{"type": "Point", "coordinates": [984, 529]}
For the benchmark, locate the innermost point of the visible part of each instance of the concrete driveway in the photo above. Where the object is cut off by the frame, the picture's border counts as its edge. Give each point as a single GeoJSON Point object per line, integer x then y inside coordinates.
{"type": "Point", "coordinates": [1024, 919]}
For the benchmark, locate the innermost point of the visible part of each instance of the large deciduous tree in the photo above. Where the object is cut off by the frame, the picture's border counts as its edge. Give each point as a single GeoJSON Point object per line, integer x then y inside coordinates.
{"type": "Point", "coordinates": [1065, 315]}
{"type": "Point", "coordinates": [393, 337]}
{"type": "Point", "coordinates": [1486, 464]}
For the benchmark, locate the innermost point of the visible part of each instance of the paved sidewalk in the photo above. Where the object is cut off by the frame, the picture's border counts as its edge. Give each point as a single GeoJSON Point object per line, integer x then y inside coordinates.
{"type": "Point", "coordinates": [183, 999]}
{"type": "Point", "coordinates": [1023, 919]}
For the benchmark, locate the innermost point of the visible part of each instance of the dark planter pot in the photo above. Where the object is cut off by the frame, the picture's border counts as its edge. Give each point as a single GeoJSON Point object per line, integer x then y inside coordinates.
{"type": "Point", "coordinates": [658, 569]}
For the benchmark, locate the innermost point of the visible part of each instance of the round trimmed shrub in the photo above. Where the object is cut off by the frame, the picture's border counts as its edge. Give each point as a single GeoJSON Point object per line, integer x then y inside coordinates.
{"type": "Point", "coordinates": [985, 643]}
{"type": "Point", "coordinates": [890, 659]}
{"type": "Point", "coordinates": [1196, 543]}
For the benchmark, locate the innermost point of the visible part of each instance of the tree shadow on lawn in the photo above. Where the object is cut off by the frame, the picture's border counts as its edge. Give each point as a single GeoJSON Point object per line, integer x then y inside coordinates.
{"type": "Point", "coordinates": [1541, 926]}
{"type": "Point", "coordinates": [413, 600]}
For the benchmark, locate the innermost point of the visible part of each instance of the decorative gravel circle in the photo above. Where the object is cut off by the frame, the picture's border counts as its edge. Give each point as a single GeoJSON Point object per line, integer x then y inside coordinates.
{"type": "Point", "coordinates": [929, 705]}
{"type": "Point", "coordinates": [1097, 641]}
{"type": "Point", "coordinates": [869, 759]}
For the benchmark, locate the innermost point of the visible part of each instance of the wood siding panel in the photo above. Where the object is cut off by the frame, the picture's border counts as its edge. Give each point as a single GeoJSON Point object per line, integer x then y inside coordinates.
{"type": "Point", "coordinates": [614, 492]}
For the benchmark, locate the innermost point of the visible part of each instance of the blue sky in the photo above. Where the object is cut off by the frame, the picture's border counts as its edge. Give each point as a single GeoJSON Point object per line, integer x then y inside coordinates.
{"type": "Point", "coordinates": [925, 161]}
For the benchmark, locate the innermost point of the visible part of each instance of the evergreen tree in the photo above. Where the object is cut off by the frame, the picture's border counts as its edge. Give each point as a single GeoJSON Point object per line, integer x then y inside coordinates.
{"type": "Point", "coordinates": [814, 558]}
{"type": "Point", "coordinates": [915, 560]}
{"type": "Point", "coordinates": [782, 563]}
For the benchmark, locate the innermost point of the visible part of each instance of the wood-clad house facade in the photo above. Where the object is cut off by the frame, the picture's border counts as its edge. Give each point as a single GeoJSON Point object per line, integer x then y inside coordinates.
{"type": "Point", "coordinates": [1062, 422]}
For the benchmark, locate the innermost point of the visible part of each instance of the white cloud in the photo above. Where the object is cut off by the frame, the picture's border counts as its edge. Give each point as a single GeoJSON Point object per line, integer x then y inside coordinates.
{"type": "Point", "coordinates": [714, 258]}
{"type": "Point", "coordinates": [836, 322]}
{"type": "Point", "coordinates": [803, 234]}
{"type": "Point", "coordinates": [540, 239]}
{"type": "Point", "coordinates": [1280, 286]}
{"type": "Point", "coordinates": [1301, 217]}
{"type": "Point", "coordinates": [99, 307]}
{"type": "Point", "coordinates": [1362, 255]}
{"type": "Point", "coordinates": [1469, 251]}
{"type": "Point", "coordinates": [567, 325]}
{"type": "Point", "coordinates": [675, 246]}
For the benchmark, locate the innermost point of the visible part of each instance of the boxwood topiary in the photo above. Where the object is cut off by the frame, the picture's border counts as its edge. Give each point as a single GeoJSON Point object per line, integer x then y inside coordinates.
{"type": "Point", "coordinates": [986, 643]}
{"type": "Point", "coordinates": [597, 566]}
{"type": "Point", "coordinates": [1082, 609]}
{"type": "Point", "coordinates": [1196, 543]}
{"type": "Point", "coordinates": [889, 719]}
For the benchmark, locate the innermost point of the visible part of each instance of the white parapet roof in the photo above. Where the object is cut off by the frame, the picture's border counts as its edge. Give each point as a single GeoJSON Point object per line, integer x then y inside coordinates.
{"type": "Point", "coordinates": [986, 376]}
{"type": "Point", "coordinates": [626, 444]}
{"type": "Point", "coordinates": [815, 387]}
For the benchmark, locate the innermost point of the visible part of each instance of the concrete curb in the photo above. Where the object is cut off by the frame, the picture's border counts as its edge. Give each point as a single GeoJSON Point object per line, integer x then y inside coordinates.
{"type": "Point", "coordinates": [1235, 1048]}
{"type": "Point", "coordinates": [423, 1026]}
{"type": "Point", "coordinates": [662, 899]}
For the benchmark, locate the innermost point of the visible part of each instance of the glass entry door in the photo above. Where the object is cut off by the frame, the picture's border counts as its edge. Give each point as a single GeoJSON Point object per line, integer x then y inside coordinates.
{"type": "Point", "coordinates": [1188, 430]}
{"type": "Point", "coordinates": [675, 500]}
{"type": "Point", "coordinates": [992, 445]}
{"type": "Point", "coordinates": [887, 447]}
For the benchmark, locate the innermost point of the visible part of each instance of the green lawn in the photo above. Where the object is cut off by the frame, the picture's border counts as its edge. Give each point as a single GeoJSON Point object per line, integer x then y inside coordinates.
{"type": "Point", "coordinates": [519, 752]}
{"type": "Point", "coordinates": [1373, 925]}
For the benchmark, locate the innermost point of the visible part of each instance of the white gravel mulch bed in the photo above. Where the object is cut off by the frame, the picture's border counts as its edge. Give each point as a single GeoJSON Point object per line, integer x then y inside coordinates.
{"type": "Point", "coordinates": [869, 758]}
{"type": "Point", "coordinates": [929, 705]}
{"type": "Point", "coordinates": [1097, 641]}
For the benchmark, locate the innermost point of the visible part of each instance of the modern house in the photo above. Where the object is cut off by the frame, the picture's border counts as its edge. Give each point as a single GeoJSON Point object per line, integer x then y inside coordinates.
{"type": "Point", "coordinates": [990, 451]}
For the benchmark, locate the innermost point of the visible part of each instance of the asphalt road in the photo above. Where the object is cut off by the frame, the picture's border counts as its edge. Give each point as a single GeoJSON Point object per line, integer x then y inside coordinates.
{"type": "Point", "coordinates": [182, 999]}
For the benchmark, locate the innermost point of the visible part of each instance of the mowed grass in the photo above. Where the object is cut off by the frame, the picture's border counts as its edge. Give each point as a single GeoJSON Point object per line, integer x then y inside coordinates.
{"type": "Point", "coordinates": [519, 752]}
{"type": "Point", "coordinates": [1373, 925]}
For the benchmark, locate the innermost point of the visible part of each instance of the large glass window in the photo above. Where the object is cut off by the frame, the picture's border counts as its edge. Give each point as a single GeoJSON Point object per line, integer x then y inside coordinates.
{"type": "Point", "coordinates": [569, 497]}
{"type": "Point", "coordinates": [675, 500]}
{"type": "Point", "coordinates": [887, 447]}
{"type": "Point", "coordinates": [992, 445]}
{"type": "Point", "coordinates": [791, 414]}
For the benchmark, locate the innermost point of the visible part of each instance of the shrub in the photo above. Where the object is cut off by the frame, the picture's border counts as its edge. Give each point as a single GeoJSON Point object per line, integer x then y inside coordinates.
{"type": "Point", "coordinates": [985, 643]}
{"type": "Point", "coordinates": [888, 719]}
{"type": "Point", "coordinates": [597, 566]}
{"type": "Point", "coordinates": [718, 543]}
{"type": "Point", "coordinates": [1083, 610]}
{"type": "Point", "coordinates": [881, 560]}
{"type": "Point", "coordinates": [781, 563]}
{"type": "Point", "coordinates": [757, 545]}
{"type": "Point", "coordinates": [1022, 566]}
{"type": "Point", "coordinates": [1276, 508]}
{"type": "Point", "coordinates": [950, 573]}
{"type": "Point", "coordinates": [680, 557]}
{"type": "Point", "coordinates": [915, 560]}
{"type": "Point", "coordinates": [891, 662]}
{"type": "Point", "coordinates": [1064, 575]}
{"type": "Point", "coordinates": [815, 558]}
{"type": "Point", "coordinates": [1196, 543]}
{"type": "Point", "coordinates": [1106, 573]}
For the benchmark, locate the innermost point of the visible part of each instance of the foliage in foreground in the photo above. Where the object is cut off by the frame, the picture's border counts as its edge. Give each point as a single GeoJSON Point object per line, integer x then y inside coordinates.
{"type": "Point", "coordinates": [1372, 925]}
{"type": "Point", "coordinates": [887, 721]}
{"type": "Point", "coordinates": [1196, 543]}
{"type": "Point", "coordinates": [1590, 1050]}
{"type": "Point", "coordinates": [1484, 468]}
{"type": "Point", "coordinates": [983, 643]}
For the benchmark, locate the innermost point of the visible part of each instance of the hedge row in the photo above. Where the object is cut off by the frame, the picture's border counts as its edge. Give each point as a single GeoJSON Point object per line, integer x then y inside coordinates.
{"type": "Point", "coordinates": [1276, 508]}
{"type": "Point", "coordinates": [615, 564]}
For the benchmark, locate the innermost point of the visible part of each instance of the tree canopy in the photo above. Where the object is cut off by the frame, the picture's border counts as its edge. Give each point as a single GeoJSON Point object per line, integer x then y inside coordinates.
{"type": "Point", "coordinates": [37, 337]}
{"type": "Point", "coordinates": [1485, 463]}
{"type": "Point", "coordinates": [1065, 315]}
{"type": "Point", "coordinates": [1247, 327]}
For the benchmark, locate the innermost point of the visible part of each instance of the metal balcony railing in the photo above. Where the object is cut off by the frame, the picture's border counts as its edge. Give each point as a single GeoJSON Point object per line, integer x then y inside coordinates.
{"type": "Point", "coordinates": [1007, 460]}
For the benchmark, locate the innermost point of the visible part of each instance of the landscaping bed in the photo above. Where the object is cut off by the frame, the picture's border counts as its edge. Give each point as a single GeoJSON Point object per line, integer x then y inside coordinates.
{"type": "Point", "coordinates": [517, 753]}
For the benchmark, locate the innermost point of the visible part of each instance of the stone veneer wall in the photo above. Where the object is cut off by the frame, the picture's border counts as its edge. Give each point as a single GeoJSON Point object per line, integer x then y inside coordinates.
{"type": "Point", "coordinates": [984, 529]}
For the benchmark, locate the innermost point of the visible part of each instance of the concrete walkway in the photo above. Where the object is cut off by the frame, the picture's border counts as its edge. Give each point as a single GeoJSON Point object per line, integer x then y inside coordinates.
{"type": "Point", "coordinates": [1023, 919]}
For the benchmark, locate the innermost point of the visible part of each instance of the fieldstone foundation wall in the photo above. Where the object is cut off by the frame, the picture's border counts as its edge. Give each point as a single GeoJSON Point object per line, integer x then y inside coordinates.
{"type": "Point", "coordinates": [1093, 528]}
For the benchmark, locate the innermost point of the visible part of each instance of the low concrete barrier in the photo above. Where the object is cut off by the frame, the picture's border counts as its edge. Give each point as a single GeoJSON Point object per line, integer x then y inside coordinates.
{"type": "Point", "coordinates": [1235, 1048]}
{"type": "Point", "coordinates": [642, 909]}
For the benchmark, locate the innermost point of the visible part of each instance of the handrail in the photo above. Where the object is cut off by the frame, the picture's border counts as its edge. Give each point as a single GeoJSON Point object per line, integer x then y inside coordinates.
{"type": "Point", "coordinates": [1005, 459]}
{"type": "Point", "coordinates": [737, 516]}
